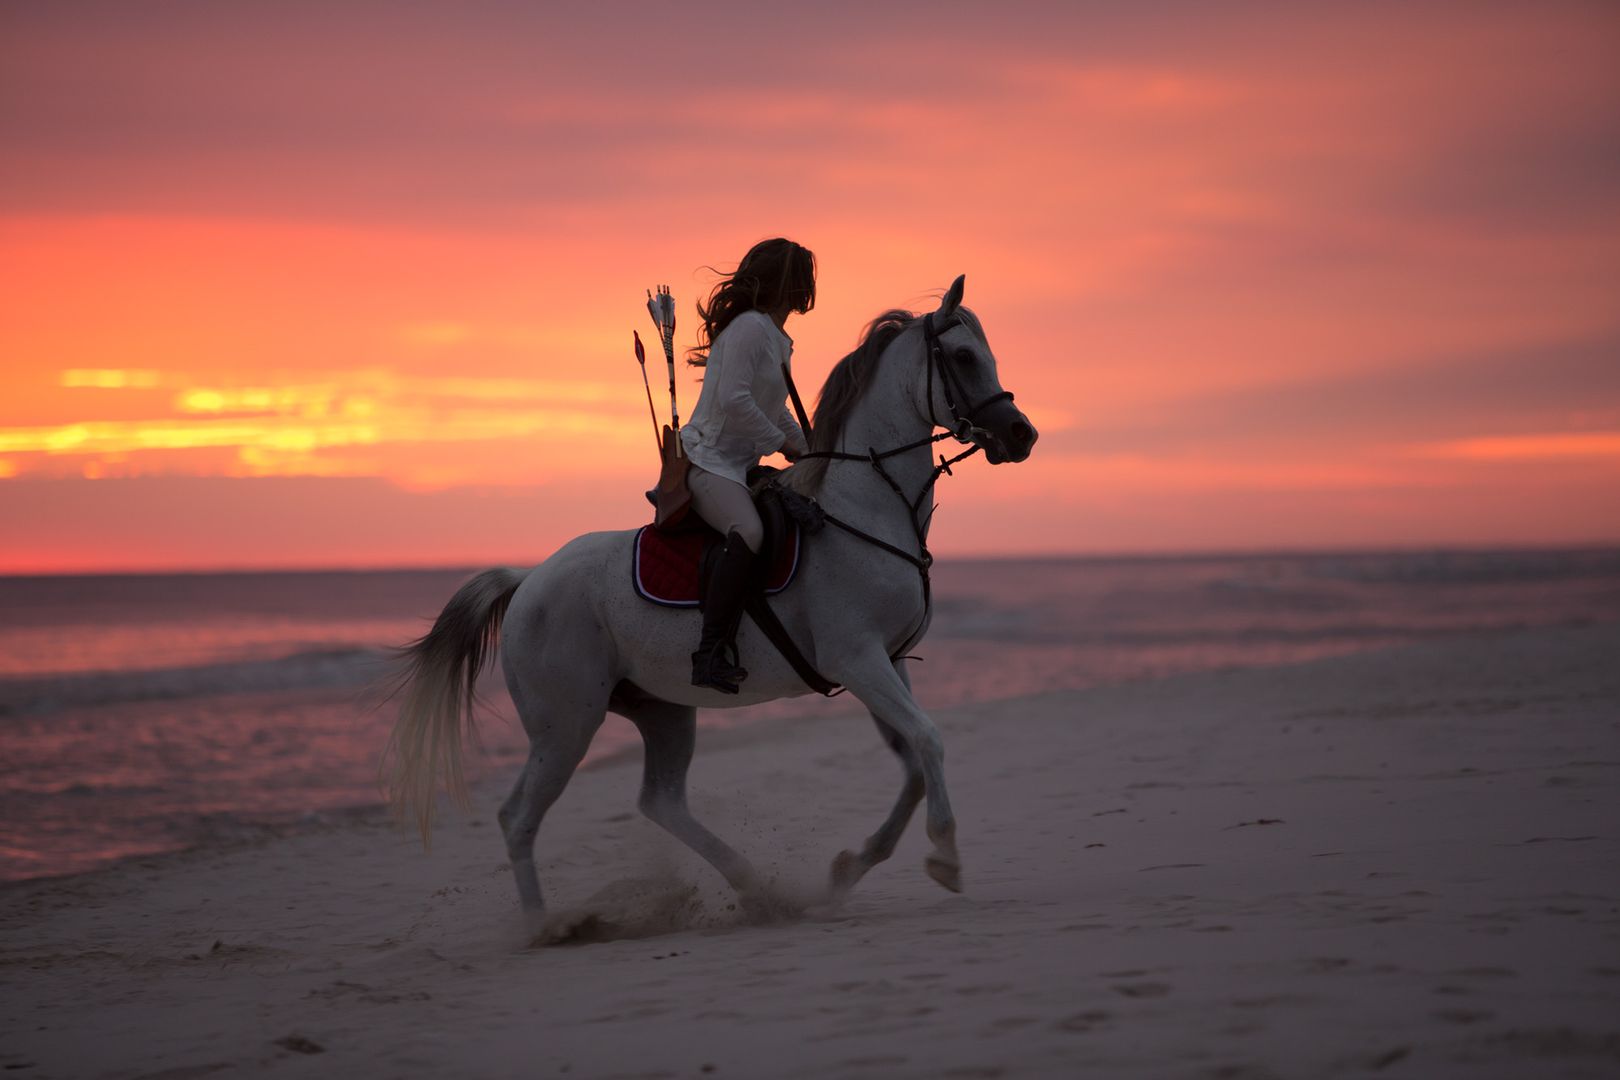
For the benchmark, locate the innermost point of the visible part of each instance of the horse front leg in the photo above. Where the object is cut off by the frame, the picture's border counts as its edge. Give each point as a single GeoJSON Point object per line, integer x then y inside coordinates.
{"type": "Point", "coordinates": [849, 867]}
{"type": "Point", "coordinates": [886, 693]}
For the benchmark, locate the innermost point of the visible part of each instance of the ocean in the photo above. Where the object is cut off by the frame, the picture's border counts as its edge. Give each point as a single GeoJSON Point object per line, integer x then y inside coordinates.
{"type": "Point", "coordinates": [150, 713]}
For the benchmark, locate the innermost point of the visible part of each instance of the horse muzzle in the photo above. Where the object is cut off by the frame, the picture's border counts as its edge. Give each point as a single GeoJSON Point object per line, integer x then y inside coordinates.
{"type": "Point", "coordinates": [1004, 433]}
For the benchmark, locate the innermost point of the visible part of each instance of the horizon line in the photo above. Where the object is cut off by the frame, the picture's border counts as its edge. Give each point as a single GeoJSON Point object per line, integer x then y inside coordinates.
{"type": "Point", "coordinates": [1166, 555]}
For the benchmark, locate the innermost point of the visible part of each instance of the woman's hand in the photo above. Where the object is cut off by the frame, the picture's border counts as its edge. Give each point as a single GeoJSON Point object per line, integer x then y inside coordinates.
{"type": "Point", "coordinates": [790, 453]}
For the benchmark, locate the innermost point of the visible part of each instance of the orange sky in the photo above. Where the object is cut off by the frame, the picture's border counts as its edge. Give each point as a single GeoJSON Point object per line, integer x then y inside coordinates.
{"type": "Point", "coordinates": [353, 285]}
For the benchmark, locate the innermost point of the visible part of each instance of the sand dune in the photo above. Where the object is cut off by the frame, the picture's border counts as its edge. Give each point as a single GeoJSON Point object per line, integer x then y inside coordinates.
{"type": "Point", "coordinates": [1402, 863]}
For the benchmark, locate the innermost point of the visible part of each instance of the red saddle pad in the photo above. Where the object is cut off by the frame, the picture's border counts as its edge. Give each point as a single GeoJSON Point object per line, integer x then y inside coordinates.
{"type": "Point", "coordinates": [666, 565]}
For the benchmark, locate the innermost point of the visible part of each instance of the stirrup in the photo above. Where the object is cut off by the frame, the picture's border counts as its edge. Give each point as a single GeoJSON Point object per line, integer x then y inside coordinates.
{"type": "Point", "coordinates": [712, 669]}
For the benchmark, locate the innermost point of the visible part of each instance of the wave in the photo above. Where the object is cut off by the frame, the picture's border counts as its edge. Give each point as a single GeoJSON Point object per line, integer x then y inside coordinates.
{"type": "Point", "coordinates": [1465, 567]}
{"type": "Point", "coordinates": [1229, 637]}
{"type": "Point", "coordinates": [313, 669]}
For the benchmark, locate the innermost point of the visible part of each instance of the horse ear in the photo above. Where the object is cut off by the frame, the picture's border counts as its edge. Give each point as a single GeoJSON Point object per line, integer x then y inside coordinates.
{"type": "Point", "coordinates": [953, 297]}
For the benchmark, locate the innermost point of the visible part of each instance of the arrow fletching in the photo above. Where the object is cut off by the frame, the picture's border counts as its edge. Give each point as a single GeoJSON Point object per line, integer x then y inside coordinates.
{"type": "Point", "coordinates": [666, 301]}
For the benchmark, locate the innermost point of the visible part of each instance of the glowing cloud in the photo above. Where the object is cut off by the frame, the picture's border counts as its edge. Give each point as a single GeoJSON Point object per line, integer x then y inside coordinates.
{"type": "Point", "coordinates": [111, 378]}
{"type": "Point", "coordinates": [289, 428]}
{"type": "Point", "coordinates": [1587, 444]}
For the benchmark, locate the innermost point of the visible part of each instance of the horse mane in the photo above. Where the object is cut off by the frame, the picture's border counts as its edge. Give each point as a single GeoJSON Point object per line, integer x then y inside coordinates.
{"type": "Point", "coordinates": [847, 383]}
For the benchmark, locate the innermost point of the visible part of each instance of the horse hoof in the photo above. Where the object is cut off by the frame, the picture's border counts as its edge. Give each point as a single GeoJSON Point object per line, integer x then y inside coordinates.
{"type": "Point", "coordinates": [948, 874]}
{"type": "Point", "coordinates": [846, 871]}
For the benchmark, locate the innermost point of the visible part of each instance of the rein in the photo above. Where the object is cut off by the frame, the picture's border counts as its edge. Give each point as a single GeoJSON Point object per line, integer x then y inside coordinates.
{"type": "Point", "coordinates": [961, 431]}
{"type": "Point", "coordinates": [924, 559]}
{"type": "Point", "coordinates": [919, 524]}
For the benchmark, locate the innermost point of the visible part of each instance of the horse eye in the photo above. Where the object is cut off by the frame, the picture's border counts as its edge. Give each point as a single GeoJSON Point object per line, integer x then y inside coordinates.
{"type": "Point", "coordinates": [964, 357]}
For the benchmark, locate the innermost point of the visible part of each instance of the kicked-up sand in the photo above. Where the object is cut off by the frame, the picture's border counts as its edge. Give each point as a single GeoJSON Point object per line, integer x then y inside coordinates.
{"type": "Point", "coordinates": [1404, 863]}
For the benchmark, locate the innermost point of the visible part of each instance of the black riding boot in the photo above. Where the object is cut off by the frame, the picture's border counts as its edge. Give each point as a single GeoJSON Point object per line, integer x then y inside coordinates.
{"type": "Point", "coordinates": [715, 662]}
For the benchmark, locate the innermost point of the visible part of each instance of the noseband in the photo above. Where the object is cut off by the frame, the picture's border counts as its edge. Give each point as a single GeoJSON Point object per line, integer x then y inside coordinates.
{"type": "Point", "coordinates": [962, 425]}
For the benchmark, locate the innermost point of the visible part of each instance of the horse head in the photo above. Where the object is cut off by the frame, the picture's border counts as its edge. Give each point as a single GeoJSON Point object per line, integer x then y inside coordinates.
{"type": "Point", "coordinates": [963, 390]}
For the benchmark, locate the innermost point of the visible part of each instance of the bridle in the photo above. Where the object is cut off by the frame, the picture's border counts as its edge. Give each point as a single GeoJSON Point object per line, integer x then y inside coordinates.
{"type": "Point", "coordinates": [962, 425]}
{"type": "Point", "coordinates": [962, 428]}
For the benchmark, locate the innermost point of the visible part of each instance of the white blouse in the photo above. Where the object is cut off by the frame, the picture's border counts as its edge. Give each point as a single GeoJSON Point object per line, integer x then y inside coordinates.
{"type": "Point", "coordinates": [741, 413]}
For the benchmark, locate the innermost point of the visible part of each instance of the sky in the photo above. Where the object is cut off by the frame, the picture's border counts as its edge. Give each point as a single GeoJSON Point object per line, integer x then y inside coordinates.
{"type": "Point", "coordinates": [345, 285]}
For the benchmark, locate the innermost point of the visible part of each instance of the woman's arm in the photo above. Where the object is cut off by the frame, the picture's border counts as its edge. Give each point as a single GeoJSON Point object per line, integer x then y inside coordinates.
{"type": "Point", "coordinates": [795, 441]}
{"type": "Point", "coordinates": [747, 348]}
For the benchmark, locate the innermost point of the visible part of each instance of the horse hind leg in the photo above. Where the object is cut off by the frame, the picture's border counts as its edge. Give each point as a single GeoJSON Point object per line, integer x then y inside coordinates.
{"type": "Point", "coordinates": [560, 732]}
{"type": "Point", "coordinates": [669, 733]}
{"type": "Point", "coordinates": [849, 866]}
{"type": "Point", "coordinates": [544, 776]}
{"type": "Point", "coordinates": [509, 808]}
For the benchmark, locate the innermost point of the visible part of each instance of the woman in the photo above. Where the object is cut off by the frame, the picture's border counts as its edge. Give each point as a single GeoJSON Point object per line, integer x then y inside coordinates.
{"type": "Point", "coordinates": [741, 415]}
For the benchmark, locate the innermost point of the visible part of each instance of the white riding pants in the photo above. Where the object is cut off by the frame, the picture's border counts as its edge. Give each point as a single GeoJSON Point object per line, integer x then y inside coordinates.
{"type": "Point", "coordinates": [726, 505]}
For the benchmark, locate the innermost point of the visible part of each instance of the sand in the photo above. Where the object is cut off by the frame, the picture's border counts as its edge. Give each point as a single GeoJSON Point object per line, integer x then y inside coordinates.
{"type": "Point", "coordinates": [1404, 863]}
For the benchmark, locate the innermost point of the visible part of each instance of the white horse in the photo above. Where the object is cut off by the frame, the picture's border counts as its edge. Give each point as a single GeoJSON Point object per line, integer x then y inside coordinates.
{"type": "Point", "coordinates": [576, 642]}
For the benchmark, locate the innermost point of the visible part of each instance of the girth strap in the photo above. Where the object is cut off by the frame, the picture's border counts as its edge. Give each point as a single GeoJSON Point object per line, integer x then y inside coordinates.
{"type": "Point", "coordinates": [760, 609]}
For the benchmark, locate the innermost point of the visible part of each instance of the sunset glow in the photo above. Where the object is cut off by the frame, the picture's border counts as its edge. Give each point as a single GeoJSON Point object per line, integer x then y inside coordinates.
{"type": "Point", "coordinates": [355, 285]}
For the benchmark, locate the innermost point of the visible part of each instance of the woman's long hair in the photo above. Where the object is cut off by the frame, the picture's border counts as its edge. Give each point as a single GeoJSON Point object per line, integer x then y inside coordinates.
{"type": "Point", "coordinates": [774, 274]}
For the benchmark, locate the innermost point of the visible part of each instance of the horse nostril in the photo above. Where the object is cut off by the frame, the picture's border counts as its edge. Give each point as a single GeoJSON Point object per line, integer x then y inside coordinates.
{"type": "Point", "coordinates": [1023, 432]}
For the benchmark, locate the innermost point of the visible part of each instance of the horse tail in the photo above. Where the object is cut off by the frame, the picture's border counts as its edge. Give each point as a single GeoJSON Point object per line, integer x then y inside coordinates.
{"type": "Point", "coordinates": [438, 692]}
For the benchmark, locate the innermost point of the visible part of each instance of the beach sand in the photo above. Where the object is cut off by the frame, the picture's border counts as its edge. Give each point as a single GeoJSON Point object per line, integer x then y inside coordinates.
{"type": "Point", "coordinates": [1404, 863]}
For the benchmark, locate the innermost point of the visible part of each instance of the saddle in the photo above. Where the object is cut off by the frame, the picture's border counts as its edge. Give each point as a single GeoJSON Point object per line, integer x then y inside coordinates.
{"type": "Point", "coordinates": [671, 565]}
